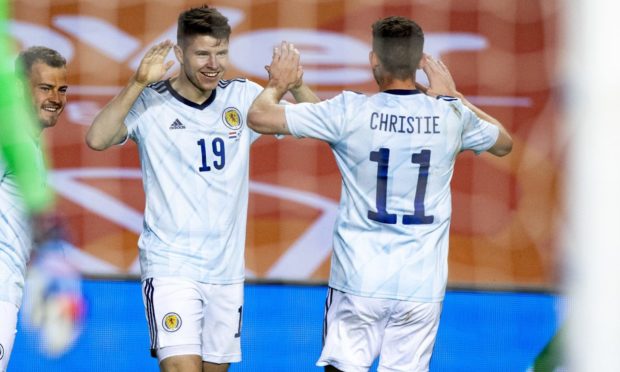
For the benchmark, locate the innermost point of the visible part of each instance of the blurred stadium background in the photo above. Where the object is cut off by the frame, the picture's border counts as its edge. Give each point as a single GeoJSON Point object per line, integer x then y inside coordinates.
{"type": "Point", "coordinates": [502, 307]}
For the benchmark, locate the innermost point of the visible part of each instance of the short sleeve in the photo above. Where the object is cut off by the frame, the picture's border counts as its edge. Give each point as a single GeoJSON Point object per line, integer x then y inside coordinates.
{"type": "Point", "coordinates": [478, 135]}
{"type": "Point", "coordinates": [132, 119]}
{"type": "Point", "coordinates": [253, 90]}
{"type": "Point", "coordinates": [323, 120]}
{"type": "Point", "coordinates": [254, 136]}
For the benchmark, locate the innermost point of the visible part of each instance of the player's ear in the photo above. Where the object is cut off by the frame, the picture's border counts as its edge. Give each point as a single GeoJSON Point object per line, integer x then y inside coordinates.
{"type": "Point", "coordinates": [178, 52]}
{"type": "Point", "coordinates": [374, 59]}
{"type": "Point", "coordinates": [422, 62]}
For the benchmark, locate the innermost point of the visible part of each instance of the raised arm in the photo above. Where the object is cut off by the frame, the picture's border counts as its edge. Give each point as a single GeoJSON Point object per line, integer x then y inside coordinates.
{"type": "Point", "coordinates": [441, 83]}
{"type": "Point", "coordinates": [266, 115]}
{"type": "Point", "coordinates": [108, 128]}
{"type": "Point", "coordinates": [300, 91]}
{"type": "Point", "coordinates": [303, 93]}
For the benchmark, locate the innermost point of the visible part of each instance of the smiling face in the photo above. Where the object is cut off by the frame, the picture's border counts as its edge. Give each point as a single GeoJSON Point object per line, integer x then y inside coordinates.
{"type": "Point", "coordinates": [204, 60]}
{"type": "Point", "coordinates": [48, 87]}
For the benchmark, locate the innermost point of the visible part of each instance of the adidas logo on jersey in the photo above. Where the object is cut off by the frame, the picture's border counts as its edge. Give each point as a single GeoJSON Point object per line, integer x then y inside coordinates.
{"type": "Point", "coordinates": [177, 125]}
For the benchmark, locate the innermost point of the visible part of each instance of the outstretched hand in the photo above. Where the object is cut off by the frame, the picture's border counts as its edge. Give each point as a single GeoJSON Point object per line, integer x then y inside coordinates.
{"type": "Point", "coordinates": [153, 66]}
{"type": "Point", "coordinates": [439, 77]}
{"type": "Point", "coordinates": [285, 73]}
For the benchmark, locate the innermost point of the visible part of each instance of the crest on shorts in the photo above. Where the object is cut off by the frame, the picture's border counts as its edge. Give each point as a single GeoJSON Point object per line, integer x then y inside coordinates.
{"type": "Point", "coordinates": [171, 322]}
{"type": "Point", "coordinates": [232, 118]}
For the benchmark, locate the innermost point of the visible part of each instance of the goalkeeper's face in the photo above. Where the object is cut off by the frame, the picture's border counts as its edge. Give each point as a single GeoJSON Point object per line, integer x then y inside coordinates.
{"type": "Point", "coordinates": [49, 92]}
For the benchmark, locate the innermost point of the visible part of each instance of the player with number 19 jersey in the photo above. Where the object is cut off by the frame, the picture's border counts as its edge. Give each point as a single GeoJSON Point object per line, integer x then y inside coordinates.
{"type": "Point", "coordinates": [190, 154]}
{"type": "Point", "coordinates": [396, 152]}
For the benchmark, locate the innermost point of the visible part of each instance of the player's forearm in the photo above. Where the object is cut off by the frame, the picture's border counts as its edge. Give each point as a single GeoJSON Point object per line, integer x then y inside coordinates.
{"type": "Point", "coordinates": [303, 93]}
{"type": "Point", "coordinates": [108, 127]}
{"type": "Point", "coordinates": [266, 115]}
{"type": "Point", "coordinates": [503, 145]}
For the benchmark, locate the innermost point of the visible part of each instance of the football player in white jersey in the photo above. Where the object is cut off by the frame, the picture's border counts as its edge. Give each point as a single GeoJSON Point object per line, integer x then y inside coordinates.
{"type": "Point", "coordinates": [396, 152]}
{"type": "Point", "coordinates": [194, 148]}
{"type": "Point", "coordinates": [23, 194]}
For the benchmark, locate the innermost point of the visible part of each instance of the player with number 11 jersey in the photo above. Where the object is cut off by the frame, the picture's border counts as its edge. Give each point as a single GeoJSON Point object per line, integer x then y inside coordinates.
{"type": "Point", "coordinates": [396, 152]}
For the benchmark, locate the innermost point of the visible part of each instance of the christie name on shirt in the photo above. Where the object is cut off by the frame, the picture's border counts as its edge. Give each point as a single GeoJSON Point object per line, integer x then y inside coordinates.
{"type": "Point", "coordinates": [404, 124]}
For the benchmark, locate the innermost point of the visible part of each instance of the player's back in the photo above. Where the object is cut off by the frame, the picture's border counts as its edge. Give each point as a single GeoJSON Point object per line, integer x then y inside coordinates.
{"type": "Point", "coordinates": [396, 153]}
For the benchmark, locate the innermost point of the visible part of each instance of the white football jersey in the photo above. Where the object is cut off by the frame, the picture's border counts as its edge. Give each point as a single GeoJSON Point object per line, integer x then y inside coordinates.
{"type": "Point", "coordinates": [396, 152]}
{"type": "Point", "coordinates": [195, 170]}
{"type": "Point", "coordinates": [15, 234]}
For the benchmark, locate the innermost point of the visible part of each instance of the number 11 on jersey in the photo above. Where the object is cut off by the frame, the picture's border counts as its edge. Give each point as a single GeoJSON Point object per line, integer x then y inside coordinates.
{"type": "Point", "coordinates": [382, 158]}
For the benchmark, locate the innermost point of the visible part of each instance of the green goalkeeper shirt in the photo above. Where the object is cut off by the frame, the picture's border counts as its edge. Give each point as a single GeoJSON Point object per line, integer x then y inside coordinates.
{"type": "Point", "coordinates": [19, 159]}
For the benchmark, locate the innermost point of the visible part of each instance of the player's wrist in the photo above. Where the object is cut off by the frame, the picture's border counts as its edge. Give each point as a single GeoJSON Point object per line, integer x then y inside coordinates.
{"type": "Point", "coordinates": [141, 83]}
{"type": "Point", "coordinates": [277, 86]}
{"type": "Point", "coordinates": [296, 88]}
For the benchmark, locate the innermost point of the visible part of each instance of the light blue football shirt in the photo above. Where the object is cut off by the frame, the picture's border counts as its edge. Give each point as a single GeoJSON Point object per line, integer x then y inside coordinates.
{"type": "Point", "coordinates": [396, 152]}
{"type": "Point", "coordinates": [195, 171]}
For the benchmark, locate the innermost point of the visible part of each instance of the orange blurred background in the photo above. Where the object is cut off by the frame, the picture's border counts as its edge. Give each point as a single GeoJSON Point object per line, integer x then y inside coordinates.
{"type": "Point", "coordinates": [502, 54]}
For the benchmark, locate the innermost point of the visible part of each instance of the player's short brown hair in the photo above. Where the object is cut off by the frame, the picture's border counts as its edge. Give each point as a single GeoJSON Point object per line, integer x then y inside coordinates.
{"type": "Point", "coordinates": [203, 20]}
{"type": "Point", "coordinates": [398, 42]}
{"type": "Point", "coordinates": [27, 58]}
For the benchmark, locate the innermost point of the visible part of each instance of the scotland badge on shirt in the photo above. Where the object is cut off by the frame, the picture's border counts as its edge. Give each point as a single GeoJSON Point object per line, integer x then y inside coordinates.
{"type": "Point", "coordinates": [233, 121]}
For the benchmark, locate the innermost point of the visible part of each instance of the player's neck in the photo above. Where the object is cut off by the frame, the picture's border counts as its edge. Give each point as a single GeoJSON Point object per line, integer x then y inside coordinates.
{"type": "Point", "coordinates": [189, 91]}
{"type": "Point", "coordinates": [36, 131]}
{"type": "Point", "coordinates": [392, 84]}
